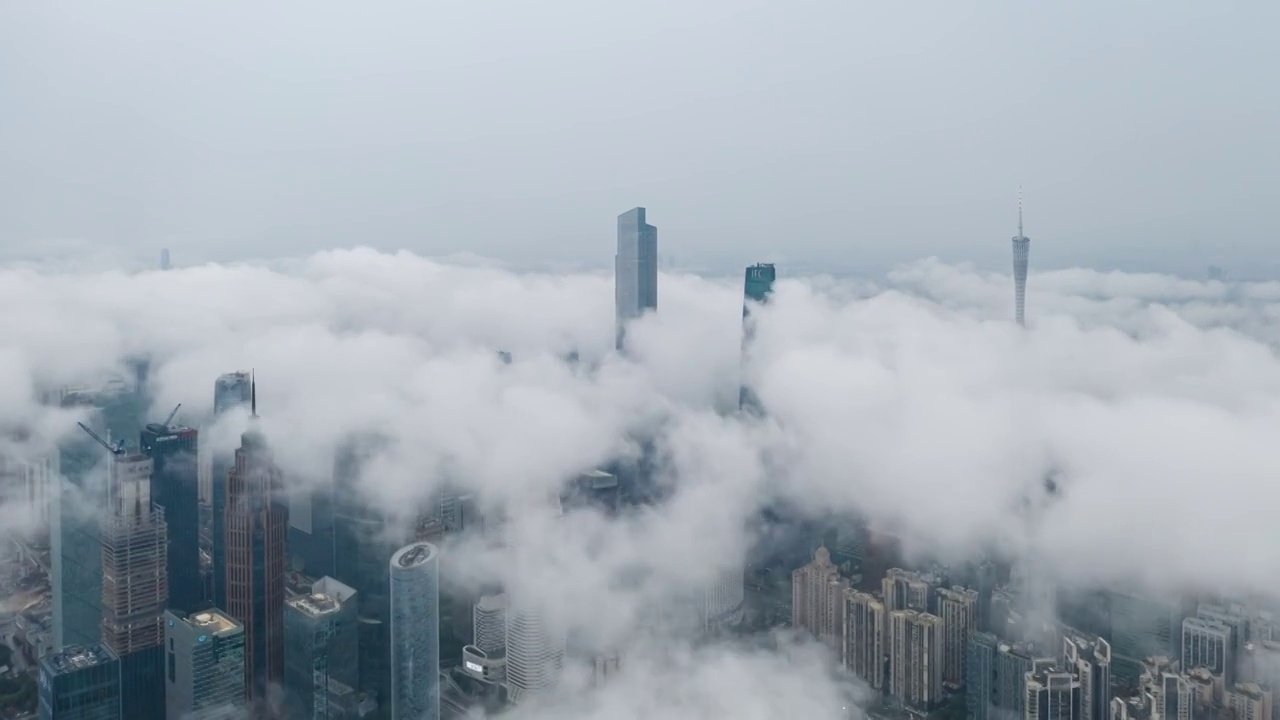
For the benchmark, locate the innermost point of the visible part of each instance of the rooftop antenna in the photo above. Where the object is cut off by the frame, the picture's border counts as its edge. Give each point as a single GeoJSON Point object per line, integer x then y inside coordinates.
{"type": "Point", "coordinates": [1019, 211]}
{"type": "Point", "coordinates": [253, 394]}
{"type": "Point", "coordinates": [171, 415]}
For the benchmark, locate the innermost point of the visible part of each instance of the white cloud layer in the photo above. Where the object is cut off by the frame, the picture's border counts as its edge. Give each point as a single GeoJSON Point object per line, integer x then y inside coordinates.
{"type": "Point", "coordinates": [916, 402]}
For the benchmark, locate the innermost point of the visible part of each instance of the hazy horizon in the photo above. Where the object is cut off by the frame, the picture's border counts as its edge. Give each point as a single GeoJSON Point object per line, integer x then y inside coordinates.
{"type": "Point", "coordinates": [803, 133]}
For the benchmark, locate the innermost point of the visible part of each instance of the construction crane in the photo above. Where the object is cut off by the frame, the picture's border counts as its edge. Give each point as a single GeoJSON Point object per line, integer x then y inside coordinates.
{"type": "Point", "coordinates": [117, 449]}
{"type": "Point", "coordinates": [171, 415]}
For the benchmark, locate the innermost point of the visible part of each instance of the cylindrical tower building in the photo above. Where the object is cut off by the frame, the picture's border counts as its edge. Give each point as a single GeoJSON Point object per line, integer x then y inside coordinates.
{"type": "Point", "coordinates": [415, 632]}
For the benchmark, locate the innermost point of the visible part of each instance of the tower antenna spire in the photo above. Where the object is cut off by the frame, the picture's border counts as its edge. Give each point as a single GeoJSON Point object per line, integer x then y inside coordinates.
{"type": "Point", "coordinates": [1019, 211]}
{"type": "Point", "coordinates": [253, 393]}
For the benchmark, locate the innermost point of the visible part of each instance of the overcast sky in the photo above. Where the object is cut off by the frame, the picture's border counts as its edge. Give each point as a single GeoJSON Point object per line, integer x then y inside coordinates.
{"type": "Point", "coordinates": [806, 132]}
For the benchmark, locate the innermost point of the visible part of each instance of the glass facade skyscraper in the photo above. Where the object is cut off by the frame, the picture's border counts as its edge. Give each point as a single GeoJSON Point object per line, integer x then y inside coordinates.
{"type": "Point", "coordinates": [757, 288]}
{"type": "Point", "coordinates": [80, 683]}
{"type": "Point", "coordinates": [415, 632]}
{"type": "Point", "coordinates": [635, 269]}
{"type": "Point", "coordinates": [204, 666]}
{"type": "Point", "coordinates": [175, 488]}
{"type": "Point", "coordinates": [362, 551]}
{"type": "Point", "coordinates": [320, 658]}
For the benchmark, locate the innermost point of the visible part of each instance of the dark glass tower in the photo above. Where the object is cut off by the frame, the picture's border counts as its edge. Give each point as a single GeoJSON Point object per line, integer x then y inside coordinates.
{"type": "Point", "coordinates": [362, 550]}
{"type": "Point", "coordinates": [175, 488]}
{"type": "Point", "coordinates": [230, 391]}
{"type": "Point", "coordinates": [320, 659]}
{"type": "Point", "coordinates": [257, 517]}
{"type": "Point", "coordinates": [757, 289]}
{"type": "Point", "coordinates": [80, 683]}
{"type": "Point", "coordinates": [635, 269]}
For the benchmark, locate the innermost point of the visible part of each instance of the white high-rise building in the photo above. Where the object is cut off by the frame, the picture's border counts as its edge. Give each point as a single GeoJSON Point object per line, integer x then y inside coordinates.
{"type": "Point", "coordinates": [535, 653]}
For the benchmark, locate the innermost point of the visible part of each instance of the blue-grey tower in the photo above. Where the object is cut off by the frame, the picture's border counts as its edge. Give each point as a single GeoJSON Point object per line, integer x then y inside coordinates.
{"type": "Point", "coordinates": [1021, 249]}
{"type": "Point", "coordinates": [175, 488]}
{"type": "Point", "coordinates": [415, 633]}
{"type": "Point", "coordinates": [80, 683]}
{"type": "Point", "coordinates": [320, 658]}
{"type": "Point", "coordinates": [635, 269]}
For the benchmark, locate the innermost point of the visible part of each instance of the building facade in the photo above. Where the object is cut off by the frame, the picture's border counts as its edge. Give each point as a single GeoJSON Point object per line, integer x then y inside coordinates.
{"type": "Point", "coordinates": [415, 632]}
{"type": "Point", "coordinates": [80, 683]}
{"type": "Point", "coordinates": [135, 587]}
{"type": "Point", "coordinates": [205, 678]}
{"type": "Point", "coordinates": [817, 599]}
{"type": "Point", "coordinates": [535, 654]}
{"type": "Point", "coordinates": [362, 551]}
{"type": "Point", "coordinates": [175, 488]}
{"type": "Point", "coordinates": [958, 608]}
{"type": "Point", "coordinates": [635, 270]}
{"type": "Point", "coordinates": [915, 659]}
{"type": "Point", "coordinates": [864, 642]}
{"type": "Point", "coordinates": [320, 656]}
{"type": "Point", "coordinates": [230, 391]}
{"type": "Point", "coordinates": [257, 516]}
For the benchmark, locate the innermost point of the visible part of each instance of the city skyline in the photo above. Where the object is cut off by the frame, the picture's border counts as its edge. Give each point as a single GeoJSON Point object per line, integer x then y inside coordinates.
{"type": "Point", "coordinates": [924, 615]}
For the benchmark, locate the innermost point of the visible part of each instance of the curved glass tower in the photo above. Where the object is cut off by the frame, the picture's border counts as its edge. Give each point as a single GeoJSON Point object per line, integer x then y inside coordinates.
{"type": "Point", "coordinates": [415, 632]}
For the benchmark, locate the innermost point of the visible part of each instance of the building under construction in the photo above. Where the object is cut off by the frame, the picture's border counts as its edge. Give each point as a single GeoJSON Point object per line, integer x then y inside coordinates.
{"type": "Point", "coordinates": [135, 586]}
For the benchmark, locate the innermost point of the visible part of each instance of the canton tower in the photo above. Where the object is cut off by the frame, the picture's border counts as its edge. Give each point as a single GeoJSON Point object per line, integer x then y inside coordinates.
{"type": "Point", "coordinates": [1021, 248]}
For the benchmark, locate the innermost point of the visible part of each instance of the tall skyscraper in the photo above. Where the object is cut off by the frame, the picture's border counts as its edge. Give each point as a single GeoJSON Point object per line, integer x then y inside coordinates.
{"type": "Point", "coordinates": [535, 654]}
{"type": "Point", "coordinates": [864, 646]}
{"type": "Point", "coordinates": [80, 683]}
{"type": "Point", "coordinates": [635, 269]}
{"type": "Point", "coordinates": [205, 678]}
{"type": "Point", "coordinates": [1021, 250]}
{"type": "Point", "coordinates": [320, 659]}
{"type": "Point", "coordinates": [364, 542]}
{"type": "Point", "coordinates": [135, 586]}
{"type": "Point", "coordinates": [257, 516]}
{"type": "Point", "coordinates": [757, 289]}
{"type": "Point", "coordinates": [817, 599]}
{"type": "Point", "coordinates": [164, 258]}
{"type": "Point", "coordinates": [230, 391]}
{"type": "Point", "coordinates": [415, 632]}
{"type": "Point", "coordinates": [174, 487]}
{"type": "Point", "coordinates": [915, 658]}
{"type": "Point", "coordinates": [79, 504]}
{"type": "Point", "coordinates": [958, 608]}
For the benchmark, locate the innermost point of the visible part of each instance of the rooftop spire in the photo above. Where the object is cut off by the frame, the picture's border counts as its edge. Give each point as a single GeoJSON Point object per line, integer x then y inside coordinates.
{"type": "Point", "coordinates": [253, 393]}
{"type": "Point", "coordinates": [1019, 211]}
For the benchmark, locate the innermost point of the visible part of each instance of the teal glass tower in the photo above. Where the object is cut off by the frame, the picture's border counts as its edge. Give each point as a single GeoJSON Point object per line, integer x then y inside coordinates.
{"type": "Point", "coordinates": [757, 289]}
{"type": "Point", "coordinates": [80, 683]}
